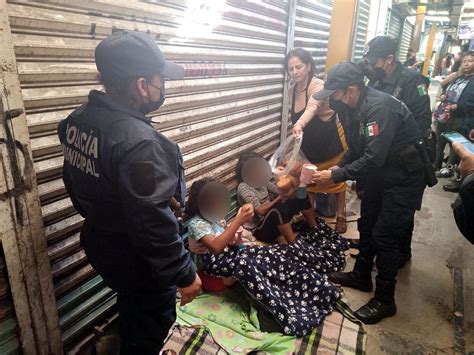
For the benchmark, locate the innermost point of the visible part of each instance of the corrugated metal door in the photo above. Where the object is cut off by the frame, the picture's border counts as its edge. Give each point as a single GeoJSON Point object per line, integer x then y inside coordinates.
{"type": "Point", "coordinates": [313, 19]}
{"type": "Point", "coordinates": [360, 34]}
{"type": "Point", "coordinates": [312, 23]}
{"type": "Point", "coordinates": [9, 342]}
{"type": "Point", "coordinates": [229, 102]}
{"type": "Point", "coordinates": [405, 40]}
{"type": "Point", "coordinates": [394, 25]}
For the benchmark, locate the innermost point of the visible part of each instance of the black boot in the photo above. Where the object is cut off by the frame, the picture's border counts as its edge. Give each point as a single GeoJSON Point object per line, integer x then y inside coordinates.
{"type": "Point", "coordinates": [381, 306]}
{"type": "Point", "coordinates": [455, 184]}
{"type": "Point", "coordinates": [360, 278]}
{"type": "Point", "coordinates": [353, 243]}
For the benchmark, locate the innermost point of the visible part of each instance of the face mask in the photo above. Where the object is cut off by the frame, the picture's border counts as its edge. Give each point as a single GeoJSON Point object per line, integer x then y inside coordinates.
{"type": "Point", "coordinates": [376, 74]}
{"type": "Point", "coordinates": [337, 105]}
{"type": "Point", "coordinates": [153, 105]}
{"type": "Point", "coordinates": [379, 74]}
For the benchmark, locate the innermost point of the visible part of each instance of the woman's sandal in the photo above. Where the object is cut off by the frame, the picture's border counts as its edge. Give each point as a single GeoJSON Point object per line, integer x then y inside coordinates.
{"type": "Point", "coordinates": [341, 225]}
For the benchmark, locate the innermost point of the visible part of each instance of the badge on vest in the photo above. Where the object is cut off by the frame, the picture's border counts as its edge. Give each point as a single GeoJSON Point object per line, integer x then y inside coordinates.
{"type": "Point", "coordinates": [397, 92]}
{"type": "Point", "coordinates": [371, 130]}
{"type": "Point", "coordinates": [422, 90]}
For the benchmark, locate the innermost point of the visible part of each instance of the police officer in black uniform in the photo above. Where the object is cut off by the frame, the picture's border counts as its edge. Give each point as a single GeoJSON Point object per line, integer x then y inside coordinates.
{"type": "Point", "coordinates": [389, 75]}
{"type": "Point", "coordinates": [121, 175]}
{"type": "Point", "coordinates": [383, 139]}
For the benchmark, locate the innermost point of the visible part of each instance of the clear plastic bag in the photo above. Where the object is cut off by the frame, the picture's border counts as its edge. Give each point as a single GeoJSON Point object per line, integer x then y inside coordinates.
{"type": "Point", "coordinates": [286, 164]}
{"type": "Point", "coordinates": [286, 156]}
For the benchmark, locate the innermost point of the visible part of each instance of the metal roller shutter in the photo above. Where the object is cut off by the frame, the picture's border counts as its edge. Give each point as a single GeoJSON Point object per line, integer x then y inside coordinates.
{"type": "Point", "coordinates": [9, 341]}
{"type": "Point", "coordinates": [312, 22]}
{"type": "Point", "coordinates": [360, 35]}
{"type": "Point", "coordinates": [405, 40]}
{"type": "Point", "coordinates": [394, 25]}
{"type": "Point", "coordinates": [313, 19]}
{"type": "Point", "coordinates": [229, 102]}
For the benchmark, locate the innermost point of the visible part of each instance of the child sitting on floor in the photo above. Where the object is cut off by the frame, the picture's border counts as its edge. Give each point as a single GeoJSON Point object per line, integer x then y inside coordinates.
{"type": "Point", "coordinates": [273, 213]}
{"type": "Point", "coordinates": [208, 203]}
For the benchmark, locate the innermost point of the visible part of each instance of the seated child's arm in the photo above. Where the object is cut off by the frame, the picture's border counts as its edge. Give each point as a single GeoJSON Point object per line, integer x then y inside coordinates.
{"type": "Point", "coordinates": [267, 206]}
{"type": "Point", "coordinates": [217, 244]}
{"type": "Point", "coordinates": [249, 196]}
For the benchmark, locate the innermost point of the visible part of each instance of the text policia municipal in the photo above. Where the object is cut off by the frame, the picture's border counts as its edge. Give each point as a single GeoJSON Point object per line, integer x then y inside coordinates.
{"type": "Point", "coordinates": [81, 150]}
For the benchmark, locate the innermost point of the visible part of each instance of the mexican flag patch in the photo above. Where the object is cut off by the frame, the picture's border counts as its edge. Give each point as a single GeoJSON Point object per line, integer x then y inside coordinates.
{"type": "Point", "coordinates": [371, 130]}
{"type": "Point", "coordinates": [422, 90]}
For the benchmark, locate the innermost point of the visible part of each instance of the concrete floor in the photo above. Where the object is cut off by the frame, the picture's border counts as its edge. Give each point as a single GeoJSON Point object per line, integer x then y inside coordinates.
{"type": "Point", "coordinates": [425, 291]}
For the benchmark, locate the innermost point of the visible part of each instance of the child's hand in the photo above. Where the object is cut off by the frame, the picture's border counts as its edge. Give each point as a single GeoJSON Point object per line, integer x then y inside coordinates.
{"type": "Point", "coordinates": [245, 214]}
{"type": "Point", "coordinates": [238, 236]}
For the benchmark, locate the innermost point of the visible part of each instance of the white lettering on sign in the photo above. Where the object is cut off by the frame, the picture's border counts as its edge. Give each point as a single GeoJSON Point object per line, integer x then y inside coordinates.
{"type": "Point", "coordinates": [81, 150]}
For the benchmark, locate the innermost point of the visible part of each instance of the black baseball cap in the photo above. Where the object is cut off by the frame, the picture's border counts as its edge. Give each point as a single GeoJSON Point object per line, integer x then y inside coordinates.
{"type": "Point", "coordinates": [126, 54]}
{"type": "Point", "coordinates": [340, 77]}
{"type": "Point", "coordinates": [380, 47]}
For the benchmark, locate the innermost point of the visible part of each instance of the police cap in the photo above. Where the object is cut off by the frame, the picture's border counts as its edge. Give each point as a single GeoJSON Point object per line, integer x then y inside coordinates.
{"type": "Point", "coordinates": [340, 77]}
{"type": "Point", "coordinates": [126, 54]}
{"type": "Point", "coordinates": [380, 47]}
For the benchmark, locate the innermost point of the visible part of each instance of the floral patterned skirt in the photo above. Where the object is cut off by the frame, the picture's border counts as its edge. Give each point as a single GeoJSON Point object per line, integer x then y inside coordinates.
{"type": "Point", "coordinates": [288, 280]}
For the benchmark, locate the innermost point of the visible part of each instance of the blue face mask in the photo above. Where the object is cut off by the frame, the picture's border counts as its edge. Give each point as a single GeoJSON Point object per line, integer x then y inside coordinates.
{"type": "Point", "coordinates": [153, 105]}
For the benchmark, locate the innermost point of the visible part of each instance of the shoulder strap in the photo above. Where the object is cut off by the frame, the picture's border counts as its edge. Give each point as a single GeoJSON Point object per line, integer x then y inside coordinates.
{"type": "Point", "coordinates": [306, 95]}
{"type": "Point", "coordinates": [293, 97]}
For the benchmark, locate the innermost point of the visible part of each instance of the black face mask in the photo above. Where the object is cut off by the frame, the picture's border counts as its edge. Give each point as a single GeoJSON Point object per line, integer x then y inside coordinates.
{"type": "Point", "coordinates": [153, 105]}
{"type": "Point", "coordinates": [338, 106]}
{"type": "Point", "coordinates": [376, 74]}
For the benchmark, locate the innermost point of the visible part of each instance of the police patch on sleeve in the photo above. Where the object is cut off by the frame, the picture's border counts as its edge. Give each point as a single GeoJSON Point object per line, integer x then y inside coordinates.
{"type": "Point", "coordinates": [371, 129]}
{"type": "Point", "coordinates": [143, 178]}
{"type": "Point", "coordinates": [422, 90]}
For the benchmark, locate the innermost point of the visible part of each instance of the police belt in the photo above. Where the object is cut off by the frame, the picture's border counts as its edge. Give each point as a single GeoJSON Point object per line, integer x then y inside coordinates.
{"type": "Point", "coordinates": [415, 158]}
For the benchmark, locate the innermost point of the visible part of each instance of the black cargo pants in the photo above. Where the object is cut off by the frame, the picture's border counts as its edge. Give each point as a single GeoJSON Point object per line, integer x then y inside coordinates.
{"type": "Point", "coordinates": [404, 242]}
{"type": "Point", "coordinates": [387, 211]}
{"type": "Point", "coordinates": [144, 321]}
{"type": "Point", "coordinates": [146, 311]}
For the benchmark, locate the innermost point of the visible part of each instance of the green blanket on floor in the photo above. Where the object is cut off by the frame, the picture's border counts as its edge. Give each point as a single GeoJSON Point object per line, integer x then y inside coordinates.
{"type": "Point", "coordinates": [233, 325]}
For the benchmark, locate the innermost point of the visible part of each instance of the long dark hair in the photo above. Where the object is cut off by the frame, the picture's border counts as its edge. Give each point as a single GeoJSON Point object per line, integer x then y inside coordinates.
{"type": "Point", "coordinates": [243, 158]}
{"type": "Point", "coordinates": [305, 57]}
{"type": "Point", "coordinates": [192, 204]}
{"type": "Point", "coordinates": [449, 60]}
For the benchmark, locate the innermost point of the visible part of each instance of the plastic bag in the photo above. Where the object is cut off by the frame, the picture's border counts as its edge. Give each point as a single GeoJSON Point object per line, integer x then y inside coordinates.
{"type": "Point", "coordinates": [286, 156]}
{"type": "Point", "coordinates": [286, 164]}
